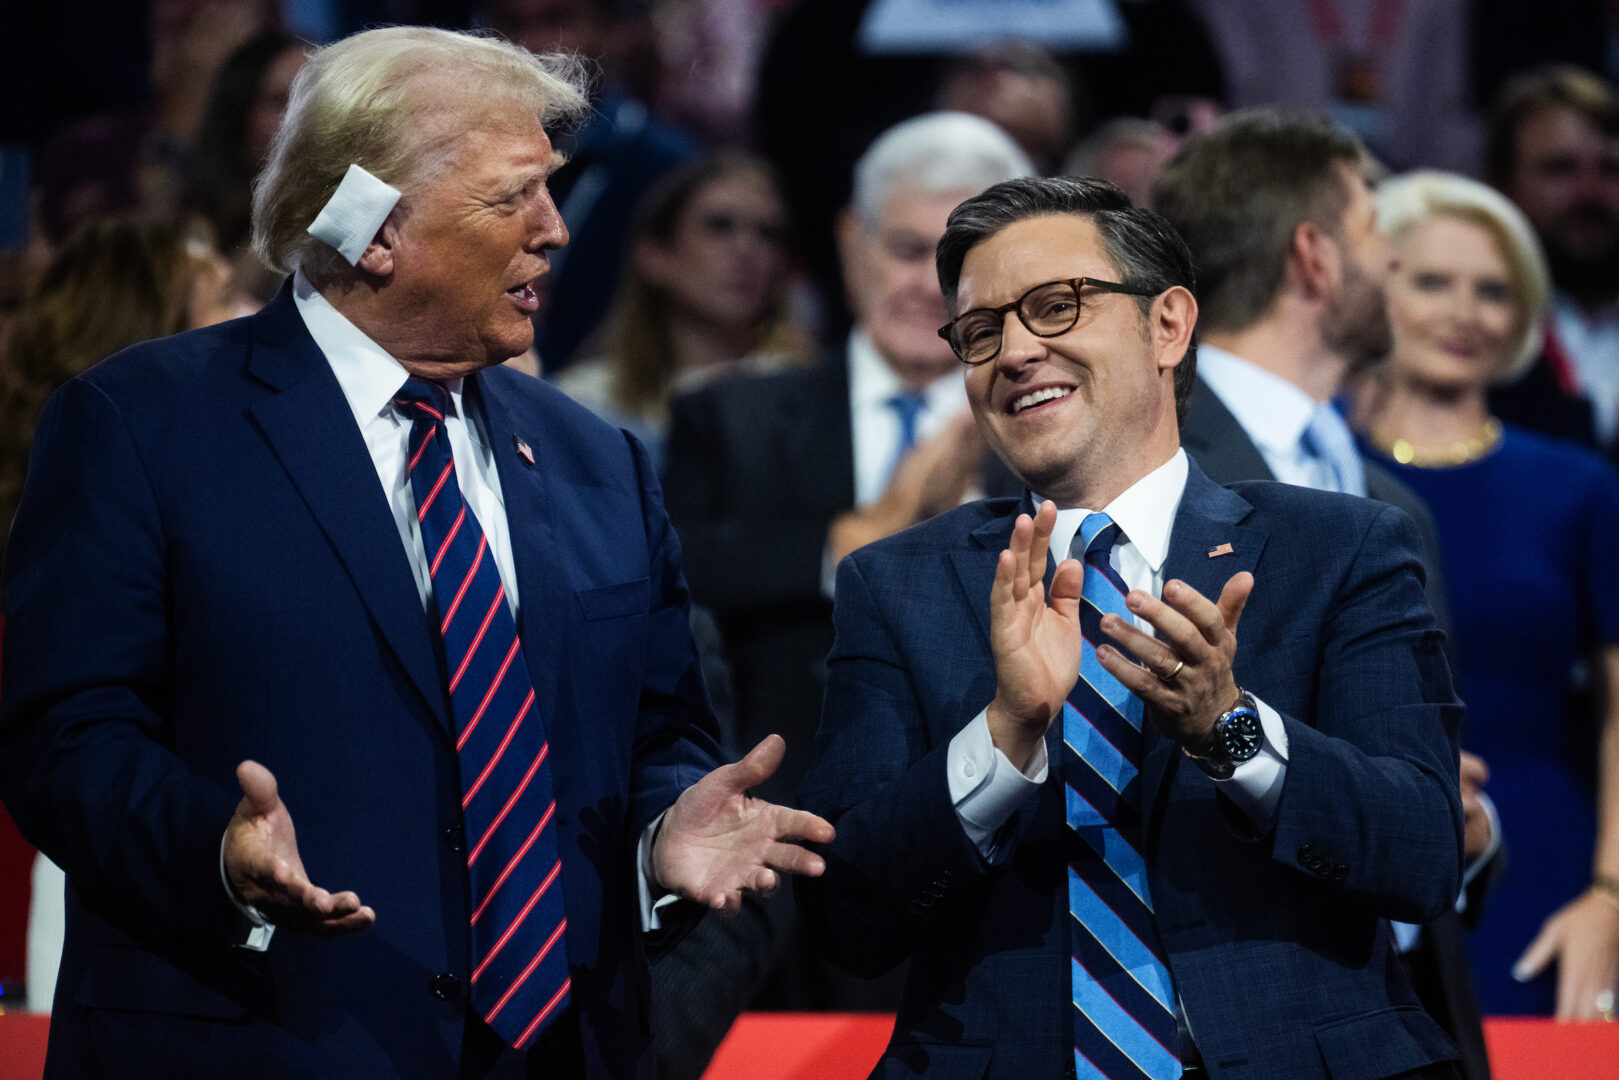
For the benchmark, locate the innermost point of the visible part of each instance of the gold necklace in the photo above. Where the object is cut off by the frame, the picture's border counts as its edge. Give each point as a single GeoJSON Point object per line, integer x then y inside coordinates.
{"type": "Point", "coordinates": [1460, 452]}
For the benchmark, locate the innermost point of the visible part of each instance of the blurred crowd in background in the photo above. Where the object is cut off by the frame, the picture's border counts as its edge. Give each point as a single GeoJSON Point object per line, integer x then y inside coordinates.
{"type": "Point", "coordinates": [749, 289]}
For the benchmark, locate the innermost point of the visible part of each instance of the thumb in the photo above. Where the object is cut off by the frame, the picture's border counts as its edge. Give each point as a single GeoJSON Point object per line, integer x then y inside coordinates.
{"type": "Point", "coordinates": [259, 793]}
{"type": "Point", "coordinates": [1536, 956]}
{"type": "Point", "coordinates": [1066, 586]}
{"type": "Point", "coordinates": [759, 765]}
{"type": "Point", "coordinates": [1234, 597]}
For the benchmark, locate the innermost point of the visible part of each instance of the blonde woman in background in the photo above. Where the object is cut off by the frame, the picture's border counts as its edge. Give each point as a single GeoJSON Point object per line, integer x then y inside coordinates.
{"type": "Point", "coordinates": [1526, 526]}
{"type": "Point", "coordinates": [704, 294]}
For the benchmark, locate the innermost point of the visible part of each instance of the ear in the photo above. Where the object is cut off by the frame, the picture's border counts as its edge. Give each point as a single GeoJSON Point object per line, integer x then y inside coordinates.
{"type": "Point", "coordinates": [1313, 260]}
{"type": "Point", "coordinates": [1171, 322]}
{"type": "Point", "coordinates": [378, 257]}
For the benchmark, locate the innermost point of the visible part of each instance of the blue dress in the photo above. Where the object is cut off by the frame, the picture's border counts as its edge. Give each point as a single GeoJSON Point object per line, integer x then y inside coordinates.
{"type": "Point", "coordinates": [1528, 535]}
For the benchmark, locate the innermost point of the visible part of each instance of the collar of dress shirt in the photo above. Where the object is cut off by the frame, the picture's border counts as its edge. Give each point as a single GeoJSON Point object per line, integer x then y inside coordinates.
{"type": "Point", "coordinates": [1270, 409]}
{"type": "Point", "coordinates": [369, 376]}
{"type": "Point", "coordinates": [1144, 511]}
{"type": "Point", "coordinates": [872, 382]}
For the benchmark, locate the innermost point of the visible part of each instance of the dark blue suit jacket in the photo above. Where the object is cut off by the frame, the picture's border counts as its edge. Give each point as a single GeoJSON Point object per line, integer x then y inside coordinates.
{"type": "Point", "coordinates": [204, 569]}
{"type": "Point", "coordinates": [1275, 939]}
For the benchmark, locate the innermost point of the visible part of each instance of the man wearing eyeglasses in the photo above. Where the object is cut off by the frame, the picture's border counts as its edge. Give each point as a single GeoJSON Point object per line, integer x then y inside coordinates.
{"type": "Point", "coordinates": [1138, 813]}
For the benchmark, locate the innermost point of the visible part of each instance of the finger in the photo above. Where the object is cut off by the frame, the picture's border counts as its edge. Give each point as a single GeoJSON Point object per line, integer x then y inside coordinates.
{"type": "Point", "coordinates": [791, 859]}
{"type": "Point", "coordinates": [791, 824]}
{"type": "Point", "coordinates": [1204, 615]}
{"type": "Point", "coordinates": [347, 924]}
{"type": "Point", "coordinates": [1473, 770]}
{"type": "Point", "coordinates": [1001, 593]}
{"type": "Point", "coordinates": [754, 769]}
{"type": "Point", "coordinates": [1174, 629]}
{"type": "Point", "coordinates": [1022, 540]}
{"type": "Point", "coordinates": [1536, 956]}
{"type": "Point", "coordinates": [1045, 520]}
{"type": "Point", "coordinates": [1576, 994]}
{"type": "Point", "coordinates": [1234, 597]}
{"type": "Point", "coordinates": [259, 794]}
{"type": "Point", "coordinates": [1067, 584]}
{"type": "Point", "coordinates": [1154, 655]}
{"type": "Point", "coordinates": [1140, 682]}
{"type": "Point", "coordinates": [765, 881]}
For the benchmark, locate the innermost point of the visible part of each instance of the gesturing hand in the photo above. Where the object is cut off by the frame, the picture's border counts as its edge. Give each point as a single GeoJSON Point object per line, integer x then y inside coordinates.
{"type": "Point", "coordinates": [1184, 673]}
{"type": "Point", "coordinates": [1582, 939]}
{"type": "Point", "coordinates": [262, 864]}
{"type": "Point", "coordinates": [1036, 645]}
{"type": "Point", "coordinates": [717, 842]}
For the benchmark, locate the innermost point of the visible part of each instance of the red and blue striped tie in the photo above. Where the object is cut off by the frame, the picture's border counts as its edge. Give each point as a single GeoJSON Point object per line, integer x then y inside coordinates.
{"type": "Point", "coordinates": [520, 961]}
{"type": "Point", "coordinates": [1124, 1001]}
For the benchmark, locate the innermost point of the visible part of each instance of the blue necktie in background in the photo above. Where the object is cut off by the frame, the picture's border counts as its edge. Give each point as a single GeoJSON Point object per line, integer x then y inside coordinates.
{"type": "Point", "coordinates": [1124, 1001]}
{"type": "Point", "coordinates": [908, 406]}
{"type": "Point", "coordinates": [1327, 439]}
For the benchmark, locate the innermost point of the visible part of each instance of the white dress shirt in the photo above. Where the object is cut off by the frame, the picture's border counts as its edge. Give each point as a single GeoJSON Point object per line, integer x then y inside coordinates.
{"type": "Point", "coordinates": [987, 789]}
{"type": "Point", "coordinates": [875, 425]}
{"type": "Point", "coordinates": [1592, 346]}
{"type": "Point", "coordinates": [369, 378]}
{"type": "Point", "coordinates": [1274, 413]}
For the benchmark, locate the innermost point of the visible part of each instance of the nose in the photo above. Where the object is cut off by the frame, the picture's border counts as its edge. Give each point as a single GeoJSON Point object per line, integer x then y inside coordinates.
{"type": "Point", "coordinates": [547, 230]}
{"type": "Point", "coordinates": [1019, 346]}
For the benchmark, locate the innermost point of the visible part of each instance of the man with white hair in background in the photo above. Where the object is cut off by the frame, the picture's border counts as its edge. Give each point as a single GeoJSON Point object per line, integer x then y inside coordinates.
{"type": "Point", "coordinates": [336, 555]}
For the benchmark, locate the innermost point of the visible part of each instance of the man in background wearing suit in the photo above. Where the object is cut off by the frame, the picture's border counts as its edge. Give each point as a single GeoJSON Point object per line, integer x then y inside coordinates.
{"type": "Point", "coordinates": [1227, 711]}
{"type": "Point", "coordinates": [1291, 267]}
{"type": "Point", "coordinates": [420, 603]}
{"type": "Point", "coordinates": [772, 480]}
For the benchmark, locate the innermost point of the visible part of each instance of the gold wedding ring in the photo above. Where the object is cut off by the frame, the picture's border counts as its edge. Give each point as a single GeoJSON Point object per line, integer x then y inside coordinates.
{"type": "Point", "coordinates": [1171, 676]}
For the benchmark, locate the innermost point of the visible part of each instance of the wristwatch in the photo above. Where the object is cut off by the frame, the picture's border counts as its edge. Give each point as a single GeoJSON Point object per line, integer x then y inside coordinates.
{"type": "Point", "coordinates": [1235, 738]}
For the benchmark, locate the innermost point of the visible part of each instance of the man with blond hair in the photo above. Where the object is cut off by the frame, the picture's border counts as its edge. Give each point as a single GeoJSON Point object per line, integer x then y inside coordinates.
{"type": "Point", "coordinates": [337, 556]}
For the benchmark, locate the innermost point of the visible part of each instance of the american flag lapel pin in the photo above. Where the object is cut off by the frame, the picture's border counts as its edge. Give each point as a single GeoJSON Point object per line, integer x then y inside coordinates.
{"type": "Point", "coordinates": [1223, 549]}
{"type": "Point", "coordinates": [522, 449]}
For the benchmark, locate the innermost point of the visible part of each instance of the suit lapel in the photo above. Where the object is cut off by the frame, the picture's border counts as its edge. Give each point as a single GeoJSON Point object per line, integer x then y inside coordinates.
{"type": "Point", "coordinates": [541, 587]}
{"type": "Point", "coordinates": [310, 427]}
{"type": "Point", "coordinates": [975, 565]}
{"type": "Point", "coordinates": [1209, 516]}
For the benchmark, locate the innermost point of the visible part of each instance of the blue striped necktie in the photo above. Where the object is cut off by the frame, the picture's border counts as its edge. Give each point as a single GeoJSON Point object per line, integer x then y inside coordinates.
{"type": "Point", "coordinates": [520, 961]}
{"type": "Point", "coordinates": [1124, 1002]}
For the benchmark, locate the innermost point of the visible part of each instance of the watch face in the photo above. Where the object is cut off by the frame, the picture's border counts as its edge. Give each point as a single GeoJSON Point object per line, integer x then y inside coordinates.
{"type": "Point", "coordinates": [1241, 735]}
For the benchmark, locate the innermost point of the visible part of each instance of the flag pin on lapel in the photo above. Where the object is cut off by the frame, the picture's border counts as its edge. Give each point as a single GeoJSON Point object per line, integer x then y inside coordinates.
{"type": "Point", "coordinates": [1223, 549]}
{"type": "Point", "coordinates": [522, 449]}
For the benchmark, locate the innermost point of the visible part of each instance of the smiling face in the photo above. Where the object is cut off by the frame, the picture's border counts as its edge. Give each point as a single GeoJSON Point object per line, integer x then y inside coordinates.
{"type": "Point", "coordinates": [892, 284]}
{"type": "Point", "coordinates": [469, 248]}
{"type": "Point", "coordinates": [1081, 416]}
{"type": "Point", "coordinates": [1455, 311]}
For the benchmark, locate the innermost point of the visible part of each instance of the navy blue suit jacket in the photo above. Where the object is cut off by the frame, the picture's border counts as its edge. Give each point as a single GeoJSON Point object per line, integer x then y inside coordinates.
{"type": "Point", "coordinates": [1275, 938]}
{"type": "Point", "coordinates": [204, 569]}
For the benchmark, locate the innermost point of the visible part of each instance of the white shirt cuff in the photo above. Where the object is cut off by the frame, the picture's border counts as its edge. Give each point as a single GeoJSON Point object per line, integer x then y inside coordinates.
{"type": "Point", "coordinates": [1471, 870]}
{"type": "Point", "coordinates": [985, 787]}
{"type": "Point", "coordinates": [261, 929]}
{"type": "Point", "coordinates": [650, 905]}
{"type": "Point", "coordinates": [1256, 785]}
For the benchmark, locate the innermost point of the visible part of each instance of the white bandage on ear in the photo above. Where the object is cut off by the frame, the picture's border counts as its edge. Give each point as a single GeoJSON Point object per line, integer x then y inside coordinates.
{"type": "Point", "coordinates": [354, 213]}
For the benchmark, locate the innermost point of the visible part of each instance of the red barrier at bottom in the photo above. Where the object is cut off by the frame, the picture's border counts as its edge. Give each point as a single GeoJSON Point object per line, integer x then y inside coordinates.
{"type": "Point", "coordinates": [833, 1046]}
{"type": "Point", "coordinates": [844, 1046]}
{"type": "Point", "coordinates": [1530, 1048]}
{"type": "Point", "coordinates": [22, 1045]}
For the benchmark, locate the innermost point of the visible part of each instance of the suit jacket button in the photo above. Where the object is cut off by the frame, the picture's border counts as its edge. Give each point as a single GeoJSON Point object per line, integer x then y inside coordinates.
{"type": "Point", "coordinates": [445, 987]}
{"type": "Point", "coordinates": [1306, 853]}
{"type": "Point", "coordinates": [1339, 871]}
{"type": "Point", "coordinates": [455, 838]}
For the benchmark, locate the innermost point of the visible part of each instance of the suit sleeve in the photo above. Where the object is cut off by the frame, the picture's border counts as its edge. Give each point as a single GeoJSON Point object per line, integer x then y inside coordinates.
{"type": "Point", "coordinates": [87, 765]}
{"type": "Point", "coordinates": [901, 864]}
{"type": "Point", "coordinates": [1371, 800]}
{"type": "Point", "coordinates": [740, 555]}
{"type": "Point", "coordinates": [676, 736]}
